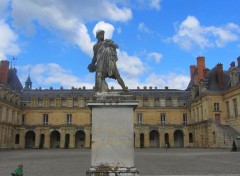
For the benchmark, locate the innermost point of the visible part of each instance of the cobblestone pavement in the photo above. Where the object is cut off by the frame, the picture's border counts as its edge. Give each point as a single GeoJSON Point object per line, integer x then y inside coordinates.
{"type": "Point", "coordinates": [150, 162]}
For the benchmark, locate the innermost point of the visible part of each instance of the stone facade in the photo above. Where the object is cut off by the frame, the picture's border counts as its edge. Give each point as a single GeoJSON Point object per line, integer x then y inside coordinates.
{"type": "Point", "coordinates": [206, 114]}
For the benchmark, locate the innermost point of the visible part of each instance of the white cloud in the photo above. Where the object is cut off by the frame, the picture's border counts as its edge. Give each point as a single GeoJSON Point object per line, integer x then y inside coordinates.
{"type": "Point", "coordinates": [155, 4]}
{"type": "Point", "coordinates": [83, 40]}
{"type": "Point", "coordinates": [3, 6]}
{"type": "Point", "coordinates": [67, 19]}
{"type": "Point", "coordinates": [145, 4]}
{"type": "Point", "coordinates": [223, 36]}
{"type": "Point", "coordinates": [143, 28]}
{"type": "Point", "coordinates": [131, 65]}
{"type": "Point", "coordinates": [157, 57]}
{"type": "Point", "coordinates": [52, 74]}
{"type": "Point", "coordinates": [8, 42]}
{"type": "Point", "coordinates": [53, 18]}
{"type": "Point", "coordinates": [119, 30]}
{"type": "Point", "coordinates": [191, 34]}
{"type": "Point", "coordinates": [233, 26]}
{"type": "Point", "coordinates": [108, 28]}
{"type": "Point", "coordinates": [172, 80]}
{"type": "Point", "coordinates": [81, 10]}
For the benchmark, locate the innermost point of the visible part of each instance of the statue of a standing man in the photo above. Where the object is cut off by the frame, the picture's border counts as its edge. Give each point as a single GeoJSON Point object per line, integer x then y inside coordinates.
{"type": "Point", "coordinates": [104, 63]}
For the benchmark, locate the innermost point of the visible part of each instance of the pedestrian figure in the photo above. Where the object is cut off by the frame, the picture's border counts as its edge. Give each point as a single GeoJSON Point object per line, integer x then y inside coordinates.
{"type": "Point", "coordinates": [166, 146]}
{"type": "Point", "coordinates": [18, 171]}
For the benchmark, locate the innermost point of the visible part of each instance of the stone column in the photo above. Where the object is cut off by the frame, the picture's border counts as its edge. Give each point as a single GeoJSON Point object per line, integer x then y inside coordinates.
{"type": "Point", "coordinates": [87, 138]}
{"type": "Point", "coordinates": [112, 151]}
{"type": "Point", "coordinates": [72, 139]}
{"type": "Point", "coordinates": [37, 138]}
{"type": "Point", "coordinates": [137, 139]}
{"type": "Point", "coordinates": [146, 138]}
{"type": "Point", "coordinates": [22, 138]}
{"type": "Point", "coordinates": [62, 138]}
{"type": "Point", "coordinates": [160, 139]}
{"type": "Point", "coordinates": [171, 137]}
{"type": "Point", "coordinates": [185, 137]}
{"type": "Point", "coordinates": [47, 139]}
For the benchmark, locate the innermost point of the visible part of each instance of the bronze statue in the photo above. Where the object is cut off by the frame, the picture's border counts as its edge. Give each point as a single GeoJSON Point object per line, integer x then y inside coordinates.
{"type": "Point", "coordinates": [104, 63]}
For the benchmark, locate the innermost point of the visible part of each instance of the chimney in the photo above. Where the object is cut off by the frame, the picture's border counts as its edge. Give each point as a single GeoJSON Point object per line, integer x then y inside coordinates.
{"type": "Point", "coordinates": [200, 67]}
{"type": "Point", "coordinates": [192, 69]}
{"type": "Point", "coordinates": [232, 64]}
{"type": "Point", "coordinates": [238, 59]}
{"type": "Point", "coordinates": [220, 75]}
{"type": "Point", "coordinates": [166, 87]}
{"type": "Point", "coordinates": [4, 68]}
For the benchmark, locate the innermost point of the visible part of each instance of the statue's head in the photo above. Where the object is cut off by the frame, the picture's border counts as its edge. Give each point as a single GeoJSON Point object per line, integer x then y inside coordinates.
{"type": "Point", "coordinates": [99, 31]}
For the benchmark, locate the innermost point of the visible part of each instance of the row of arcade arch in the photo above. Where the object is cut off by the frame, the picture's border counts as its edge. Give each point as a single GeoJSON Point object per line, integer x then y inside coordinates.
{"type": "Point", "coordinates": [55, 137]}
{"type": "Point", "coordinates": [154, 139]}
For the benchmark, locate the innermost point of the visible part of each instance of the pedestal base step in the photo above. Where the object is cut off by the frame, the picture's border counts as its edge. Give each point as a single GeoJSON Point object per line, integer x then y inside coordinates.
{"type": "Point", "coordinates": [112, 171]}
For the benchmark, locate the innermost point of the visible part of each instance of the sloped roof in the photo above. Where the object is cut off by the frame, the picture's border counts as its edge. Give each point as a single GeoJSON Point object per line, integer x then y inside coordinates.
{"type": "Point", "coordinates": [13, 80]}
{"type": "Point", "coordinates": [212, 78]}
{"type": "Point", "coordinates": [87, 93]}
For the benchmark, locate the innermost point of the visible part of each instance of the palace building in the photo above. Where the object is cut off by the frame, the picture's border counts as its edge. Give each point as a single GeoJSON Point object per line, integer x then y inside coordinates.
{"type": "Point", "coordinates": [206, 114]}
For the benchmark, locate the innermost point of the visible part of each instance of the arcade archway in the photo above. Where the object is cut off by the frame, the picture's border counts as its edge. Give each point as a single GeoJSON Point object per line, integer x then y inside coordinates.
{"type": "Point", "coordinates": [79, 139]}
{"type": "Point", "coordinates": [30, 139]}
{"type": "Point", "coordinates": [178, 138]}
{"type": "Point", "coordinates": [55, 139]}
{"type": "Point", "coordinates": [154, 138]}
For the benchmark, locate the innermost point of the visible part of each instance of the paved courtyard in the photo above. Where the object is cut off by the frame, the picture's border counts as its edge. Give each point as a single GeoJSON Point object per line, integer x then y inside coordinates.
{"type": "Point", "coordinates": [150, 162]}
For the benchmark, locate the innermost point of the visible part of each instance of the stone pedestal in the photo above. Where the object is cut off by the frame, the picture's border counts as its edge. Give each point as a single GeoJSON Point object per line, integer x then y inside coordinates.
{"type": "Point", "coordinates": [112, 150]}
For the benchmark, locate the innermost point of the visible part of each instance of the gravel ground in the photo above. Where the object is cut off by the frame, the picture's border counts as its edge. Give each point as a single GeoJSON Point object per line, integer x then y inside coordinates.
{"type": "Point", "coordinates": [150, 162]}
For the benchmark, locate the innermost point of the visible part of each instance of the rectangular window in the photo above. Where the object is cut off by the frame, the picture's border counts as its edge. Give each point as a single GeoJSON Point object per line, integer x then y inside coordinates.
{"type": "Point", "coordinates": [23, 119]}
{"type": "Point", "coordinates": [139, 118]}
{"type": "Point", "coordinates": [69, 119]}
{"type": "Point", "coordinates": [163, 118]}
{"type": "Point", "coordinates": [228, 109]}
{"type": "Point", "coordinates": [235, 108]}
{"type": "Point", "coordinates": [45, 119]}
{"type": "Point", "coordinates": [216, 107]}
{"type": "Point", "coordinates": [185, 118]}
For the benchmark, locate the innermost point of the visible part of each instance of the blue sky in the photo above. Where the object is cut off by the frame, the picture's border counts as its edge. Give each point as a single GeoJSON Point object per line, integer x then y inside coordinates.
{"type": "Point", "coordinates": [158, 39]}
